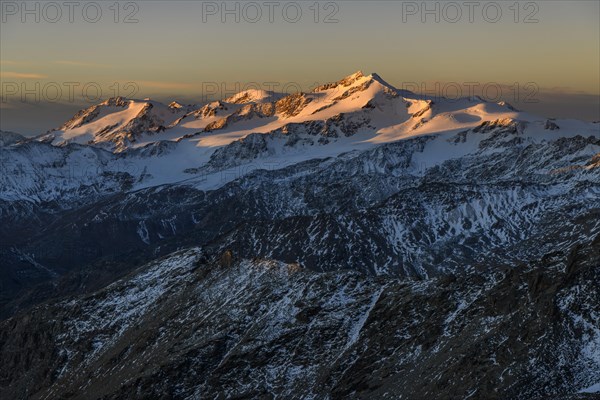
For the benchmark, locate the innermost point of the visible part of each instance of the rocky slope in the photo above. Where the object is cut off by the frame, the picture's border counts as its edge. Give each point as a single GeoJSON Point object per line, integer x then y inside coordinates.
{"type": "Point", "coordinates": [10, 138]}
{"type": "Point", "coordinates": [384, 211]}
{"type": "Point", "coordinates": [194, 325]}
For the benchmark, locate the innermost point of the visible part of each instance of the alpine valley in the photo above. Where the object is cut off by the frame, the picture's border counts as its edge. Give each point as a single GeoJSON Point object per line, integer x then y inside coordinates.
{"type": "Point", "coordinates": [353, 242]}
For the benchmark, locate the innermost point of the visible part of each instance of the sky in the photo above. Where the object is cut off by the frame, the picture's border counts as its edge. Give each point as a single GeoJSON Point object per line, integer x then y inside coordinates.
{"type": "Point", "coordinates": [55, 58]}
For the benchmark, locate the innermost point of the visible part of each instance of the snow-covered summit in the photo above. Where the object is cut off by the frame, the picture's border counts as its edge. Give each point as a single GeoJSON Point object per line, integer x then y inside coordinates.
{"type": "Point", "coordinates": [253, 96]}
{"type": "Point", "coordinates": [116, 123]}
{"type": "Point", "coordinates": [356, 113]}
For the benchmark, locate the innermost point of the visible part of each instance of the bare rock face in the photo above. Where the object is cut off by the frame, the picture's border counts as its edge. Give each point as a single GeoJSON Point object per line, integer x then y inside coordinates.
{"type": "Point", "coordinates": [347, 81]}
{"type": "Point", "coordinates": [551, 125]}
{"type": "Point", "coordinates": [355, 89]}
{"type": "Point", "coordinates": [507, 125]}
{"type": "Point", "coordinates": [210, 110]}
{"type": "Point", "coordinates": [81, 118]}
{"type": "Point", "coordinates": [424, 110]}
{"type": "Point", "coordinates": [144, 122]}
{"type": "Point", "coordinates": [216, 125]}
{"type": "Point", "coordinates": [257, 145]}
{"type": "Point", "coordinates": [240, 151]}
{"type": "Point", "coordinates": [292, 105]}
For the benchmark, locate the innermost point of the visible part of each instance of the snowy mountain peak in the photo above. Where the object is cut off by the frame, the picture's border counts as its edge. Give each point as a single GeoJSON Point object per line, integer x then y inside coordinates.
{"type": "Point", "coordinates": [355, 79]}
{"type": "Point", "coordinates": [116, 102]}
{"type": "Point", "coordinates": [253, 96]}
{"type": "Point", "coordinates": [363, 107]}
{"type": "Point", "coordinates": [345, 82]}
{"type": "Point", "coordinates": [374, 76]}
{"type": "Point", "coordinates": [116, 123]}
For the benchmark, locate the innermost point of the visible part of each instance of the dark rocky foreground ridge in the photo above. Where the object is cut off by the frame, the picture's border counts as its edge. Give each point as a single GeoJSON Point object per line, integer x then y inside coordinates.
{"type": "Point", "coordinates": [193, 325]}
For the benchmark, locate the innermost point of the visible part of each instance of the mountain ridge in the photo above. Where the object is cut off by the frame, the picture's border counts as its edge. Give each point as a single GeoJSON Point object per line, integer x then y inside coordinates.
{"type": "Point", "coordinates": [377, 243]}
{"type": "Point", "coordinates": [355, 113]}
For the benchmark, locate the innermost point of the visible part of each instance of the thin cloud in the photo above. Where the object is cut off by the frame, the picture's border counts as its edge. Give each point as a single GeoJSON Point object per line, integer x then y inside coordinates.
{"type": "Point", "coordinates": [563, 90]}
{"type": "Point", "coordinates": [21, 75]}
{"type": "Point", "coordinates": [163, 85]}
{"type": "Point", "coordinates": [80, 64]}
{"type": "Point", "coordinates": [8, 62]}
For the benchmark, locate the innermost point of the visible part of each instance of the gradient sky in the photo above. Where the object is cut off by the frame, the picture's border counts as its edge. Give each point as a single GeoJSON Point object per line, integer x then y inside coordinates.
{"type": "Point", "coordinates": [171, 53]}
